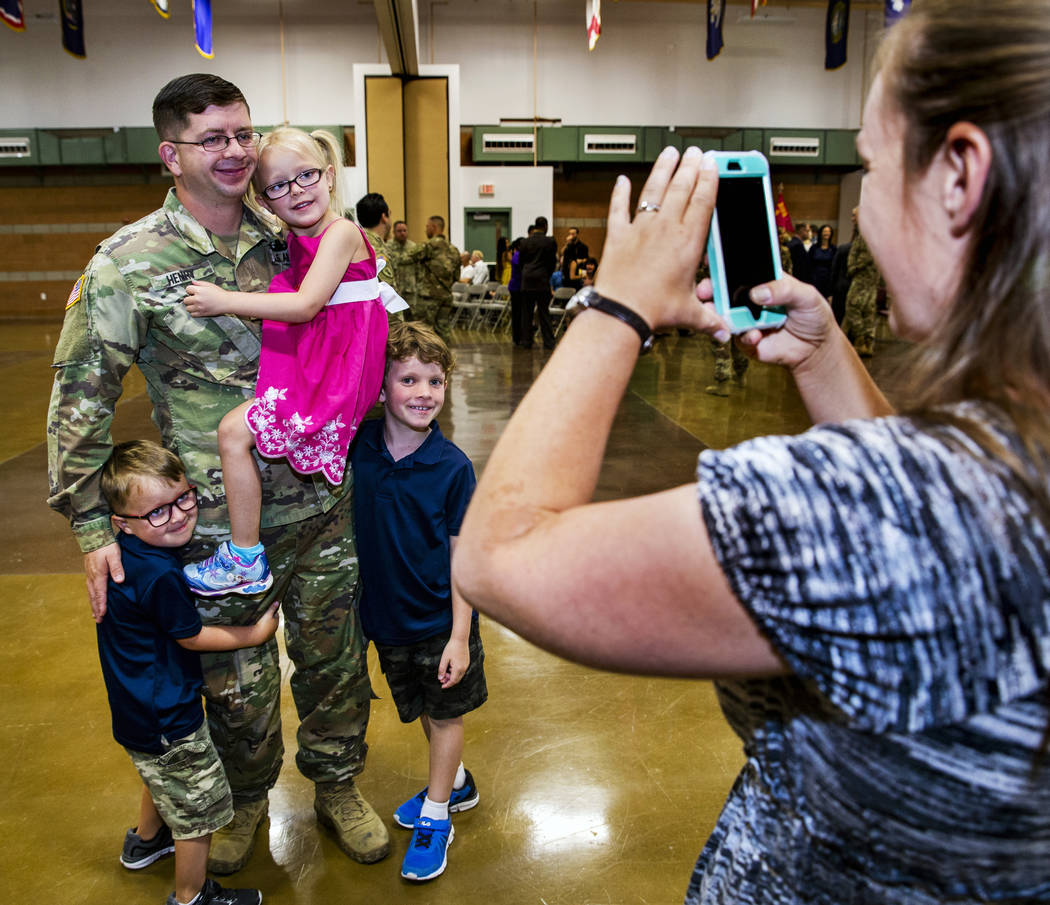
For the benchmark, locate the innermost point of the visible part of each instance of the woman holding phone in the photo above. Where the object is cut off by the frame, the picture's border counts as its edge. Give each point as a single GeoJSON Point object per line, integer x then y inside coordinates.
{"type": "Point", "coordinates": [872, 596]}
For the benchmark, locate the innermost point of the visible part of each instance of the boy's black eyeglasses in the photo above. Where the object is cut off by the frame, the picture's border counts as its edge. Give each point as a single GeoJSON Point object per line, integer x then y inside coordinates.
{"type": "Point", "coordinates": [279, 189]}
{"type": "Point", "coordinates": [222, 142]}
{"type": "Point", "coordinates": [186, 501]}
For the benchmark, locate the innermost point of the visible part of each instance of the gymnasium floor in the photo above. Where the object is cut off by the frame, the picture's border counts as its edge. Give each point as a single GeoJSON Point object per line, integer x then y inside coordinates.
{"type": "Point", "coordinates": [595, 788]}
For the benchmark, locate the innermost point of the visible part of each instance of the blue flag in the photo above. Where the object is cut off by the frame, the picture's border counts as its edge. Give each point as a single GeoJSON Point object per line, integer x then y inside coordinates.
{"type": "Point", "coordinates": [202, 27]}
{"type": "Point", "coordinates": [716, 13]}
{"type": "Point", "coordinates": [836, 31]}
{"type": "Point", "coordinates": [72, 16]}
{"type": "Point", "coordinates": [12, 14]}
{"type": "Point", "coordinates": [161, 6]}
{"type": "Point", "coordinates": [895, 9]}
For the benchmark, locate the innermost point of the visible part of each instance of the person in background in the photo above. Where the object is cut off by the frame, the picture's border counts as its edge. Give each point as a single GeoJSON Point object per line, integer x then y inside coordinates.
{"type": "Point", "coordinates": [573, 256]}
{"type": "Point", "coordinates": [538, 255]}
{"type": "Point", "coordinates": [871, 596]}
{"type": "Point", "coordinates": [821, 254]}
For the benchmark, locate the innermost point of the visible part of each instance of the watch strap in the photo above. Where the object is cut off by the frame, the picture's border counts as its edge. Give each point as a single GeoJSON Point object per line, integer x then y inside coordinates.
{"type": "Point", "coordinates": [588, 297]}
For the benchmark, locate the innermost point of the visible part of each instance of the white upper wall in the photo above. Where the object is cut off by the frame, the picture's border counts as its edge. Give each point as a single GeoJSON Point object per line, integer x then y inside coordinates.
{"type": "Point", "coordinates": [649, 67]}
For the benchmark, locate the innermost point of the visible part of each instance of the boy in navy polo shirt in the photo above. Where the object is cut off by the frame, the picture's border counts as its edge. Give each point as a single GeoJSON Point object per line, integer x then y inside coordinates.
{"type": "Point", "coordinates": [411, 489]}
{"type": "Point", "coordinates": [148, 643]}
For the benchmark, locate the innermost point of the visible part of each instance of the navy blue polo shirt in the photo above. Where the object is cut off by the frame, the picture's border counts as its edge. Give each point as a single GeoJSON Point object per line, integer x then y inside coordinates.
{"type": "Point", "coordinates": [154, 684]}
{"type": "Point", "coordinates": [405, 513]}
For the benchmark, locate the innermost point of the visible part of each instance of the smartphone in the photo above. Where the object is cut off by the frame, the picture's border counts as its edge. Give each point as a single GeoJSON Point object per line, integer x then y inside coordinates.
{"type": "Point", "coordinates": [742, 246]}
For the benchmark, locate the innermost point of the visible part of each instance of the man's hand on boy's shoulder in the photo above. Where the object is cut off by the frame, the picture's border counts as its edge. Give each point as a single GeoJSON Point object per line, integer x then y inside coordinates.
{"type": "Point", "coordinates": [455, 659]}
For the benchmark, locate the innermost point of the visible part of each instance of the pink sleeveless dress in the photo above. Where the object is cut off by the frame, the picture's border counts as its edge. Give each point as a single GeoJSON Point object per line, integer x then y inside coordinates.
{"type": "Point", "coordinates": [317, 380]}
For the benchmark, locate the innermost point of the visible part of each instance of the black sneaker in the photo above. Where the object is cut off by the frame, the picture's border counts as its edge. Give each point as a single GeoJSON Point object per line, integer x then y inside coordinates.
{"type": "Point", "coordinates": [139, 853]}
{"type": "Point", "coordinates": [213, 894]}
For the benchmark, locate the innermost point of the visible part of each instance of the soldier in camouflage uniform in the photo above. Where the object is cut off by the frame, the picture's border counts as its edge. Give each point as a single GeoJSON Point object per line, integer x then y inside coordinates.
{"type": "Point", "coordinates": [859, 322]}
{"type": "Point", "coordinates": [730, 362]}
{"type": "Point", "coordinates": [439, 266]}
{"type": "Point", "coordinates": [373, 216]}
{"type": "Point", "coordinates": [400, 249]}
{"type": "Point", "coordinates": [127, 309]}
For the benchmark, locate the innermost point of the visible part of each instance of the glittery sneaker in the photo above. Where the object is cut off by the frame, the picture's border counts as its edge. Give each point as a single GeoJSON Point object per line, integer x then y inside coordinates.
{"type": "Point", "coordinates": [426, 855]}
{"type": "Point", "coordinates": [139, 853]}
{"type": "Point", "coordinates": [224, 573]}
{"type": "Point", "coordinates": [461, 800]}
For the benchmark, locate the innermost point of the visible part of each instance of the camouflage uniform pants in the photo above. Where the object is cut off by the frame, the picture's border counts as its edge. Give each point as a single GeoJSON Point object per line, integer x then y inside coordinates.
{"type": "Point", "coordinates": [187, 785]}
{"type": "Point", "coordinates": [859, 322]}
{"type": "Point", "coordinates": [316, 578]}
{"type": "Point", "coordinates": [435, 313]}
{"type": "Point", "coordinates": [729, 360]}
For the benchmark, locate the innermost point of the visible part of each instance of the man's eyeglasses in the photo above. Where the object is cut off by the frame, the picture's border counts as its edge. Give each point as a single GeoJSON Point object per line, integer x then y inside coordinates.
{"type": "Point", "coordinates": [222, 142]}
{"type": "Point", "coordinates": [186, 501]}
{"type": "Point", "coordinates": [279, 189]}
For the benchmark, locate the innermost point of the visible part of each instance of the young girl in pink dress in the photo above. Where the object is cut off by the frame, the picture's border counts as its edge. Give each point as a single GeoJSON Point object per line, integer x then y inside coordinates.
{"type": "Point", "coordinates": [323, 349]}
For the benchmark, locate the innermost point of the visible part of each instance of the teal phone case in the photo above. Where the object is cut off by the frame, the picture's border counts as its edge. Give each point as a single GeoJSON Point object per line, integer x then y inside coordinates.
{"type": "Point", "coordinates": [743, 165]}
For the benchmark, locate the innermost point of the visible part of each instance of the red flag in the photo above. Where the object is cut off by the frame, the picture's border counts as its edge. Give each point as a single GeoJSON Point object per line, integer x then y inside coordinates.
{"type": "Point", "coordinates": [754, 6]}
{"type": "Point", "coordinates": [594, 22]}
{"type": "Point", "coordinates": [12, 14]}
{"type": "Point", "coordinates": [783, 217]}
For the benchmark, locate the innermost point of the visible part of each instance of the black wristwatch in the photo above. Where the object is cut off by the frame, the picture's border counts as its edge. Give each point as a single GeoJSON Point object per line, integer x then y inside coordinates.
{"type": "Point", "coordinates": [588, 297]}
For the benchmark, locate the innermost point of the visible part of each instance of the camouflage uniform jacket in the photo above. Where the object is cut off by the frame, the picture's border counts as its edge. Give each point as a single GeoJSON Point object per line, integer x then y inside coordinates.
{"type": "Point", "coordinates": [405, 267]}
{"type": "Point", "coordinates": [387, 274]}
{"type": "Point", "coordinates": [439, 260]}
{"type": "Point", "coordinates": [127, 309]}
{"type": "Point", "coordinates": [861, 265]}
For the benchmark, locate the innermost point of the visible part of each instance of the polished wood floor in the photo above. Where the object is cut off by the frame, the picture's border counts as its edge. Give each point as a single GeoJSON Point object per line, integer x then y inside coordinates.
{"type": "Point", "coordinates": [595, 788]}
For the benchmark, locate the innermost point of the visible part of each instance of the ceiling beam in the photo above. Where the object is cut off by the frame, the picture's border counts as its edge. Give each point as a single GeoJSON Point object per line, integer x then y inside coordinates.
{"type": "Point", "coordinates": [399, 25]}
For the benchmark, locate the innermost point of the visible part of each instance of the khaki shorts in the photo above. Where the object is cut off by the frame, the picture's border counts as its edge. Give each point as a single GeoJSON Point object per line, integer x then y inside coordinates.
{"type": "Point", "coordinates": [188, 785]}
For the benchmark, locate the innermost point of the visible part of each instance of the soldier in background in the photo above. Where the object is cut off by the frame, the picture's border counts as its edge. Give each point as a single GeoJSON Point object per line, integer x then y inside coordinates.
{"type": "Point", "coordinates": [373, 216]}
{"type": "Point", "coordinates": [438, 261]}
{"type": "Point", "coordinates": [859, 322]}
{"type": "Point", "coordinates": [406, 270]}
{"type": "Point", "coordinates": [730, 363]}
{"type": "Point", "coordinates": [127, 309]}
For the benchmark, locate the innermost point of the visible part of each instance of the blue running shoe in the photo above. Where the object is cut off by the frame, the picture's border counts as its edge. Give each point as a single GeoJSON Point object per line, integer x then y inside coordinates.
{"type": "Point", "coordinates": [462, 800]}
{"type": "Point", "coordinates": [224, 573]}
{"type": "Point", "coordinates": [425, 858]}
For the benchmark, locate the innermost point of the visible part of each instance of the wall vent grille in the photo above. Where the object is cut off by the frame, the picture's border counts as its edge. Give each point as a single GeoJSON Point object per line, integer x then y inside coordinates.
{"type": "Point", "coordinates": [610, 144]}
{"type": "Point", "coordinates": [15, 147]}
{"type": "Point", "coordinates": [783, 146]}
{"type": "Point", "coordinates": [504, 142]}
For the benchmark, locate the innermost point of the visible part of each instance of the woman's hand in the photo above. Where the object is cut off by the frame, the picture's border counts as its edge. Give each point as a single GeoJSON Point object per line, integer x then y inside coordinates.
{"type": "Point", "coordinates": [206, 299]}
{"type": "Point", "coordinates": [649, 262]}
{"type": "Point", "coordinates": [810, 322]}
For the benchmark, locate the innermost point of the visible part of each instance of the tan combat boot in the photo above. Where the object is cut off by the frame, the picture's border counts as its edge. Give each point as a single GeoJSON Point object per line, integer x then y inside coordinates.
{"type": "Point", "coordinates": [231, 847]}
{"type": "Point", "coordinates": [357, 827]}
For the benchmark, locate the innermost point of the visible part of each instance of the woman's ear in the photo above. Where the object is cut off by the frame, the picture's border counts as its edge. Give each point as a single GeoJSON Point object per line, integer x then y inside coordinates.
{"type": "Point", "coordinates": [967, 158]}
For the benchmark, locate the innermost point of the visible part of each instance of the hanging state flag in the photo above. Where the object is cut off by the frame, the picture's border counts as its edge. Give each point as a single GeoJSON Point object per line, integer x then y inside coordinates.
{"type": "Point", "coordinates": [755, 5]}
{"type": "Point", "coordinates": [716, 14]}
{"type": "Point", "coordinates": [161, 6]}
{"type": "Point", "coordinates": [594, 22]}
{"type": "Point", "coordinates": [895, 9]}
{"type": "Point", "coordinates": [782, 215]}
{"type": "Point", "coordinates": [12, 14]}
{"type": "Point", "coordinates": [72, 15]}
{"type": "Point", "coordinates": [202, 27]}
{"type": "Point", "coordinates": [836, 31]}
